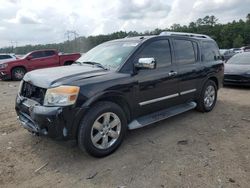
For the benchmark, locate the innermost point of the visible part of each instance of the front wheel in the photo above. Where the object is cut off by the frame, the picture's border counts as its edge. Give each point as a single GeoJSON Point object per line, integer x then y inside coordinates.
{"type": "Point", "coordinates": [18, 73]}
{"type": "Point", "coordinates": [102, 129]}
{"type": "Point", "coordinates": [208, 97]}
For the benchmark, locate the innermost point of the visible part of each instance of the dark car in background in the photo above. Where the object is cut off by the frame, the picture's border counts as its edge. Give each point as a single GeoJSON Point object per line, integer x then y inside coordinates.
{"type": "Point", "coordinates": [227, 54]}
{"type": "Point", "coordinates": [237, 70]}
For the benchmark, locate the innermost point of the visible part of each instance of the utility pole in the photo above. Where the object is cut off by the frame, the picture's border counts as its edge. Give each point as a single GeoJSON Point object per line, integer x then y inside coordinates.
{"type": "Point", "coordinates": [72, 34]}
{"type": "Point", "coordinates": [13, 46]}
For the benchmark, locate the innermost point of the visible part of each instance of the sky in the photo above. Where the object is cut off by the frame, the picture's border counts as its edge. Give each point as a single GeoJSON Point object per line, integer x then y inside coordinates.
{"type": "Point", "coordinates": [46, 21]}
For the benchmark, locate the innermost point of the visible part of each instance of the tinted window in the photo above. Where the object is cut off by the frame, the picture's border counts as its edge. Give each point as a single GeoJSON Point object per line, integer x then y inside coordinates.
{"type": "Point", "coordinates": [49, 53]}
{"type": "Point", "coordinates": [210, 51]}
{"type": "Point", "coordinates": [184, 51]}
{"type": "Point", "coordinates": [37, 55]}
{"type": "Point", "coordinates": [160, 50]}
{"type": "Point", "coordinates": [5, 57]}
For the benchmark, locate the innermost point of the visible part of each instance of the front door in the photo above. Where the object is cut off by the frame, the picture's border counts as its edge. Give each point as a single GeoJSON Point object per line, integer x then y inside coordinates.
{"type": "Point", "coordinates": [43, 59]}
{"type": "Point", "coordinates": [157, 88]}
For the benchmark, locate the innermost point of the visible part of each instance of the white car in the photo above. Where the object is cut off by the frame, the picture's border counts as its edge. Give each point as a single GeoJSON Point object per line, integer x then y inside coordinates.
{"type": "Point", "coordinates": [7, 57]}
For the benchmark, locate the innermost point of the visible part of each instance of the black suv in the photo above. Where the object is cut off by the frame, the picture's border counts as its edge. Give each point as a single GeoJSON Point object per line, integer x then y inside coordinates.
{"type": "Point", "coordinates": [121, 84]}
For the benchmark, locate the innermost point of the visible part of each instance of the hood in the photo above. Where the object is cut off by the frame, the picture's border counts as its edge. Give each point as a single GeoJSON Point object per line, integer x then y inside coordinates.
{"type": "Point", "coordinates": [236, 69]}
{"type": "Point", "coordinates": [52, 77]}
{"type": "Point", "coordinates": [8, 61]}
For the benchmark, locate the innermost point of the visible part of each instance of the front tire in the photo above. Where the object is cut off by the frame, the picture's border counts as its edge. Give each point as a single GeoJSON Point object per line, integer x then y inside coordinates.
{"type": "Point", "coordinates": [208, 97]}
{"type": "Point", "coordinates": [102, 129]}
{"type": "Point", "coordinates": [18, 73]}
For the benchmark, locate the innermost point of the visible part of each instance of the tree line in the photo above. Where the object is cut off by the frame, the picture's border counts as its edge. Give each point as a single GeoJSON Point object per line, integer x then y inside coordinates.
{"type": "Point", "coordinates": [230, 35]}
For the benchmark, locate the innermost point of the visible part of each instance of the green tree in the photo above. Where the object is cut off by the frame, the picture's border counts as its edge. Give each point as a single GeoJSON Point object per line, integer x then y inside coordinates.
{"type": "Point", "coordinates": [248, 18]}
{"type": "Point", "coordinates": [238, 41]}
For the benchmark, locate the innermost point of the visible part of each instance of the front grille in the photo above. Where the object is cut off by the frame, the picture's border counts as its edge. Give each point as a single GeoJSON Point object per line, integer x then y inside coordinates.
{"type": "Point", "coordinates": [33, 92]}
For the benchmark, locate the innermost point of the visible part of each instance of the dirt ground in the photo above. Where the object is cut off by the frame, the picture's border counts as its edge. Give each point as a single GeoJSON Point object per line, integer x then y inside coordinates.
{"type": "Point", "coordinates": [189, 150]}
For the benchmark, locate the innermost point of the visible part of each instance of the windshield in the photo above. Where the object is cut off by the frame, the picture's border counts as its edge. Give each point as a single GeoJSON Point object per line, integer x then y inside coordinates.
{"type": "Point", "coordinates": [110, 55]}
{"type": "Point", "coordinates": [241, 59]}
{"type": "Point", "coordinates": [25, 56]}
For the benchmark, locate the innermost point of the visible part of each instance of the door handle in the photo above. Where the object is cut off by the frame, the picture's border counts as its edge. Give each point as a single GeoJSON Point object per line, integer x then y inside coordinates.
{"type": "Point", "coordinates": [172, 73]}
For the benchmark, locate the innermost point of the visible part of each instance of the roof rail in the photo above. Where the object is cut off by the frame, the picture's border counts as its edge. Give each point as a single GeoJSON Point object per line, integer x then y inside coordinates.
{"type": "Point", "coordinates": [170, 33]}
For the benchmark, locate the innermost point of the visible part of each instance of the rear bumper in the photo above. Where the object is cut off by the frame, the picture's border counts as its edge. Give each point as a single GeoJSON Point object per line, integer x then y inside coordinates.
{"type": "Point", "coordinates": [54, 122]}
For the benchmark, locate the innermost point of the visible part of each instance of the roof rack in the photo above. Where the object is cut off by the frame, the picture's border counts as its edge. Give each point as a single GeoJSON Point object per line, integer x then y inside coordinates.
{"type": "Point", "coordinates": [169, 33]}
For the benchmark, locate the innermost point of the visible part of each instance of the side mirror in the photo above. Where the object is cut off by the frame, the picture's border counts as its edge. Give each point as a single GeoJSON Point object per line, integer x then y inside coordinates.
{"type": "Point", "coordinates": [146, 63]}
{"type": "Point", "coordinates": [223, 58]}
{"type": "Point", "coordinates": [29, 57]}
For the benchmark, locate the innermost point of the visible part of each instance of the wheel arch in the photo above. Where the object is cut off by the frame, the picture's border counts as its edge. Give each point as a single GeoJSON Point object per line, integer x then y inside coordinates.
{"type": "Point", "coordinates": [112, 96]}
{"type": "Point", "coordinates": [18, 66]}
{"type": "Point", "coordinates": [215, 80]}
{"type": "Point", "coordinates": [68, 62]}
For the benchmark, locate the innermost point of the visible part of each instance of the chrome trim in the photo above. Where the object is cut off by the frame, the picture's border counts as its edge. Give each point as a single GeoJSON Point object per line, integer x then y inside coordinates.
{"type": "Point", "coordinates": [188, 91]}
{"type": "Point", "coordinates": [158, 99]}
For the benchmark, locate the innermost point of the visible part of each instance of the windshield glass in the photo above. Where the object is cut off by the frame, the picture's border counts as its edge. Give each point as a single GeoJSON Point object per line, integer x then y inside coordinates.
{"type": "Point", "coordinates": [25, 56]}
{"type": "Point", "coordinates": [110, 55]}
{"type": "Point", "coordinates": [241, 59]}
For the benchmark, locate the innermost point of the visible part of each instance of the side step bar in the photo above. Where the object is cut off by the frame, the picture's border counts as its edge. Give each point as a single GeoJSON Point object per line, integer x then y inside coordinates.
{"type": "Point", "coordinates": [161, 115]}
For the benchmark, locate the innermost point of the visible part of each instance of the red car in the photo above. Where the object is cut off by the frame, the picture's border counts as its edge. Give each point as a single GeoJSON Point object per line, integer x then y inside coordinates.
{"type": "Point", "coordinates": [16, 69]}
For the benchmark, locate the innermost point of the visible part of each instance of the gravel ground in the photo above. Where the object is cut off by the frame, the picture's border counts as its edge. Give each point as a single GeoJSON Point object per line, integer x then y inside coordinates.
{"type": "Point", "coordinates": [189, 150]}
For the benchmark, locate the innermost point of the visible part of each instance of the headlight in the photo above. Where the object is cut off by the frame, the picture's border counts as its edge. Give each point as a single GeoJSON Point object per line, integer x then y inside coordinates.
{"type": "Point", "coordinates": [61, 96]}
{"type": "Point", "coordinates": [3, 66]}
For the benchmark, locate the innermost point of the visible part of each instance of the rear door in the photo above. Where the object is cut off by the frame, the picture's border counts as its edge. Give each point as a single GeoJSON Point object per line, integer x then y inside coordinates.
{"type": "Point", "coordinates": [52, 58]}
{"type": "Point", "coordinates": [189, 68]}
{"type": "Point", "coordinates": [157, 88]}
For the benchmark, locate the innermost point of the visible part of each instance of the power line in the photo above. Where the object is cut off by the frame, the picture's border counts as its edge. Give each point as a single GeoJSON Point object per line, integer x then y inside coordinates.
{"type": "Point", "coordinates": [71, 34]}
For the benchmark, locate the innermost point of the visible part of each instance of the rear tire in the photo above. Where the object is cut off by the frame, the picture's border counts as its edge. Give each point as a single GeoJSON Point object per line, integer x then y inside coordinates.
{"type": "Point", "coordinates": [18, 73]}
{"type": "Point", "coordinates": [208, 97]}
{"type": "Point", "coordinates": [102, 129]}
{"type": "Point", "coordinates": [68, 63]}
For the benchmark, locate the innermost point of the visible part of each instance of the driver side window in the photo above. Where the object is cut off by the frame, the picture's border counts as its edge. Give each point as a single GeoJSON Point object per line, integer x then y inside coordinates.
{"type": "Point", "coordinates": [36, 55]}
{"type": "Point", "coordinates": [159, 50]}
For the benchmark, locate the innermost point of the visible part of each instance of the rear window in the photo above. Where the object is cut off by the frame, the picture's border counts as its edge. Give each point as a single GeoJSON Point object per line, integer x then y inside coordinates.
{"type": "Point", "coordinates": [185, 51]}
{"type": "Point", "coordinates": [210, 51]}
{"type": "Point", "coordinates": [5, 57]}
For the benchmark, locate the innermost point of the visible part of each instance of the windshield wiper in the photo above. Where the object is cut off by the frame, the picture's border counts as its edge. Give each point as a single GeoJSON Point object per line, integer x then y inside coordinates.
{"type": "Point", "coordinates": [95, 64]}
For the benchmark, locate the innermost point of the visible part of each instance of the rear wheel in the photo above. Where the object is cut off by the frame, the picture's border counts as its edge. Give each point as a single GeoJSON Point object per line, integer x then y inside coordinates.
{"type": "Point", "coordinates": [102, 129]}
{"type": "Point", "coordinates": [18, 73]}
{"type": "Point", "coordinates": [208, 97]}
{"type": "Point", "coordinates": [67, 63]}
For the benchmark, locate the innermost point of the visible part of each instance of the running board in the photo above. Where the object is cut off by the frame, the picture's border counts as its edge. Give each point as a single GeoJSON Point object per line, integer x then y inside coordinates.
{"type": "Point", "coordinates": [161, 115]}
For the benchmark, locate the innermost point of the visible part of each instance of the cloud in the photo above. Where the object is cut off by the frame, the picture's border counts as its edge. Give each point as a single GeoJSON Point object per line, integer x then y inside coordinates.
{"type": "Point", "coordinates": [129, 9]}
{"type": "Point", "coordinates": [24, 16]}
{"type": "Point", "coordinates": [46, 21]}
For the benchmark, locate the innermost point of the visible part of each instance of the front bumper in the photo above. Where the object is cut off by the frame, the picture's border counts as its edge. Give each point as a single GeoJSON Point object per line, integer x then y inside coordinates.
{"type": "Point", "coordinates": [54, 122]}
{"type": "Point", "coordinates": [232, 79]}
{"type": "Point", "coordinates": [4, 75]}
